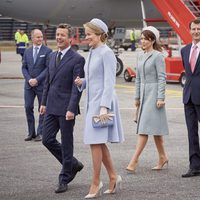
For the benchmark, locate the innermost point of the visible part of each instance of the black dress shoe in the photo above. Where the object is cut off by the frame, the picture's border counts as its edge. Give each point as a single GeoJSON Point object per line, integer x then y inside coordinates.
{"type": "Point", "coordinates": [190, 173]}
{"type": "Point", "coordinates": [76, 170]}
{"type": "Point", "coordinates": [62, 187]}
{"type": "Point", "coordinates": [29, 138]}
{"type": "Point", "coordinates": [38, 138]}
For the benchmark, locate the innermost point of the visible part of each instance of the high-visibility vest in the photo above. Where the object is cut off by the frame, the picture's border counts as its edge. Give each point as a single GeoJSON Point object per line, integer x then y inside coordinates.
{"type": "Point", "coordinates": [132, 36]}
{"type": "Point", "coordinates": [17, 35]}
{"type": "Point", "coordinates": [22, 38]}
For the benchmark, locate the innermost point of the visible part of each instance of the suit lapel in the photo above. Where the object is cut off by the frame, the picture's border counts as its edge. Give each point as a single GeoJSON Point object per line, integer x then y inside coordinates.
{"type": "Point", "coordinates": [188, 54]}
{"type": "Point", "coordinates": [39, 53]}
{"type": "Point", "coordinates": [52, 73]}
{"type": "Point", "coordinates": [55, 69]}
{"type": "Point", "coordinates": [188, 49]}
{"type": "Point", "coordinates": [187, 58]}
{"type": "Point", "coordinates": [197, 63]}
{"type": "Point", "coordinates": [31, 55]}
{"type": "Point", "coordinates": [65, 59]}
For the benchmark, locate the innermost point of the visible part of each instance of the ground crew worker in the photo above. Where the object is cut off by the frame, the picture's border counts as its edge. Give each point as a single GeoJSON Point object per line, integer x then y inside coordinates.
{"type": "Point", "coordinates": [22, 43]}
{"type": "Point", "coordinates": [132, 38]}
{"type": "Point", "coordinates": [17, 34]}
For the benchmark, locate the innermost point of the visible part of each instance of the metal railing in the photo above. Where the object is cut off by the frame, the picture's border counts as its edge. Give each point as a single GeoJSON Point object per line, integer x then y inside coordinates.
{"type": "Point", "coordinates": [194, 6]}
{"type": "Point", "coordinates": [8, 27]}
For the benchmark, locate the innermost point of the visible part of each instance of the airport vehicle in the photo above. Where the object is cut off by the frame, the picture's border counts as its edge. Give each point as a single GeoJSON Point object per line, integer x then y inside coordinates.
{"type": "Point", "coordinates": [179, 22]}
{"type": "Point", "coordinates": [78, 40]}
{"type": "Point", "coordinates": [126, 44]}
{"type": "Point", "coordinates": [174, 71]}
{"type": "Point", "coordinates": [129, 74]}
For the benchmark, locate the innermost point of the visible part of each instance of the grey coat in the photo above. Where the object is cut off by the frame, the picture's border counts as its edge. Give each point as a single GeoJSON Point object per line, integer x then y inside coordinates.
{"type": "Point", "coordinates": [150, 87]}
{"type": "Point", "coordinates": [100, 70]}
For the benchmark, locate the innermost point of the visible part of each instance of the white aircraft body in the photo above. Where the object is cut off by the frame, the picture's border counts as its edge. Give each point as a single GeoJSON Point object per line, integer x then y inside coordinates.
{"type": "Point", "coordinates": [115, 13]}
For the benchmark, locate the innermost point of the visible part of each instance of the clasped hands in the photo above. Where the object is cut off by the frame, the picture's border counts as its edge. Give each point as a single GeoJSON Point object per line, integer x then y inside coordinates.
{"type": "Point", "coordinates": [33, 82]}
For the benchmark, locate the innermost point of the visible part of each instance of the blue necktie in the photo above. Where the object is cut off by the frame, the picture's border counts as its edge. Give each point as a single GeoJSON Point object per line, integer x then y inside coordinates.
{"type": "Point", "coordinates": [58, 59]}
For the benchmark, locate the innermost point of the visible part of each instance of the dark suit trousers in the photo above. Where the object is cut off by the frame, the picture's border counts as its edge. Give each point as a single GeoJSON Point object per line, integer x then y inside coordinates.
{"type": "Point", "coordinates": [62, 151]}
{"type": "Point", "coordinates": [192, 116]}
{"type": "Point", "coordinates": [29, 97]}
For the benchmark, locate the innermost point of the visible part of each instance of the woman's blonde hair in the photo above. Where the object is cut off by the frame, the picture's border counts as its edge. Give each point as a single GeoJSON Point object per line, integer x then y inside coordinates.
{"type": "Point", "coordinates": [97, 31]}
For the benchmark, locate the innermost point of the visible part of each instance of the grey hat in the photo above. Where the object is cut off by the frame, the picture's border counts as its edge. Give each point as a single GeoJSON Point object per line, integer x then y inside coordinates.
{"type": "Point", "coordinates": [154, 30]}
{"type": "Point", "coordinates": [100, 24]}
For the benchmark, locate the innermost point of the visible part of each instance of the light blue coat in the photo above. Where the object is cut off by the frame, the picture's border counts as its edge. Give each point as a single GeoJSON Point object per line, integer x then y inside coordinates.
{"type": "Point", "coordinates": [100, 71]}
{"type": "Point", "coordinates": [150, 86]}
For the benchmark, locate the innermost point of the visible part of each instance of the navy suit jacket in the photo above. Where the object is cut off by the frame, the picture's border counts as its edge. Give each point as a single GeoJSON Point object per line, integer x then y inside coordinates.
{"type": "Point", "coordinates": [60, 93]}
{"type": "Point", "coordinates": [35, 70]}
{"type": "Point", "coordinates": [192, 85]}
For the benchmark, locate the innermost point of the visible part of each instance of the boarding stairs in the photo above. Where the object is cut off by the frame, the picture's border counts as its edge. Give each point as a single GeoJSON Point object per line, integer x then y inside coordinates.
{"type": "Point", "coordinates": [194, 6]}
{"type": "Point", "coordinates": [178, 13]}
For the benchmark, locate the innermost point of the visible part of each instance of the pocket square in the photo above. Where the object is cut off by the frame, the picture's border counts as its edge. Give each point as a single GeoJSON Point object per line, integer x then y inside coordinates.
{"type": "Point", "coordinates": [42, 56]}
{"type": "Point", "coordinates": [97, 123]}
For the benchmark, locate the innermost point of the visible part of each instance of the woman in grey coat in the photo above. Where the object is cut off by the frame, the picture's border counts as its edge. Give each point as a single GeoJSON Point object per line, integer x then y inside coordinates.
{"type": "Point", "coordinates": [149, 99]}
{"type": "Point", "coordinates": [100, 70]}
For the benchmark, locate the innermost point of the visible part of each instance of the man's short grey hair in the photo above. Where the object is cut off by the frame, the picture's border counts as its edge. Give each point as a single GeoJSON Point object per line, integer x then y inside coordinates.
{"type": "Point", "coordinates": [33, 31]}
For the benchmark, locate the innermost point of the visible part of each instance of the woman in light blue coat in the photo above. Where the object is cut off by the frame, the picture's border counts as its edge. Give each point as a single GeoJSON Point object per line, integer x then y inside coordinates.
{"type": "Point", "coordinates": [150, 98]}
{"type": "Point", "coordinates": [100, 72]}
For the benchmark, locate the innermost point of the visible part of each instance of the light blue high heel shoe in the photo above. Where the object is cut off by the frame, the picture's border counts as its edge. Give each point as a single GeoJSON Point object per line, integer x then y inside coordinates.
{"type": "Point", "coordinates": [117, 186]}
{"type": "Point", "coordinates": [97, 194]}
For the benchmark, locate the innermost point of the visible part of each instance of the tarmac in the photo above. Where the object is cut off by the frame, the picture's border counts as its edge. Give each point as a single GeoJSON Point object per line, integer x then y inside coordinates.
{"type": "Point", "coordinates": [29, 172]}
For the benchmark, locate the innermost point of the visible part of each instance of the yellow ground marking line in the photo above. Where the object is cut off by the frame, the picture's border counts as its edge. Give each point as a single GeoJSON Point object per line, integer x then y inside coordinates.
{"type": "Point", "coordinates": [130, 88]}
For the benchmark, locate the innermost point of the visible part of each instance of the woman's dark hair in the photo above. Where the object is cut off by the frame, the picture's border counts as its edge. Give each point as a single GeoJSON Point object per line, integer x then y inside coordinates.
{"type": "Point", "coordinates": [151, 37]}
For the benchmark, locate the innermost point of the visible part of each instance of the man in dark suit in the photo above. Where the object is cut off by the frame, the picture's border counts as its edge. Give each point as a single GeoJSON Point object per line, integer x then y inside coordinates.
{"type": "Point", "coordinates": [60, 103]}
{"type": "Point", "coordinates": [34, 68]}
{"type": "Point", "coordinates": [191, 96]}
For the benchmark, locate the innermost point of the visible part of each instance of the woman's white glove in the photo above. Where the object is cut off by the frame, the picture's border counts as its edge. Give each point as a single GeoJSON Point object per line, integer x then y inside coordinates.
{"type": "Point", "coordinates": [103, 114]}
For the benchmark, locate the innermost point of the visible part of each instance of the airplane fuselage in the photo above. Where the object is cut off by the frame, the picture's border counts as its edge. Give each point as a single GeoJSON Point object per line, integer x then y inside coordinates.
{"type": "Point", "coordinates": [76, 12]}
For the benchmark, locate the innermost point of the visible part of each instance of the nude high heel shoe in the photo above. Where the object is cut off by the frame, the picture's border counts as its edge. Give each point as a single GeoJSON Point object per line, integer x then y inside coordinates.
{"type": "Point", "coordinates": [132, 170]}
{"type": "Point", "coordinates": [117, 186]}
{"type": "Point", "coordinates": [97, 194]}
{"type": "Point", "coordinates": [160, 166]}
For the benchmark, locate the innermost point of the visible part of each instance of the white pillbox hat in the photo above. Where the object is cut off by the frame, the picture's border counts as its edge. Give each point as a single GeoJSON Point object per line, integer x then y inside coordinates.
{"type": "Point", "coordinates": [154, 30]}
{"type": "Point", "coordinates": [100, 24]}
